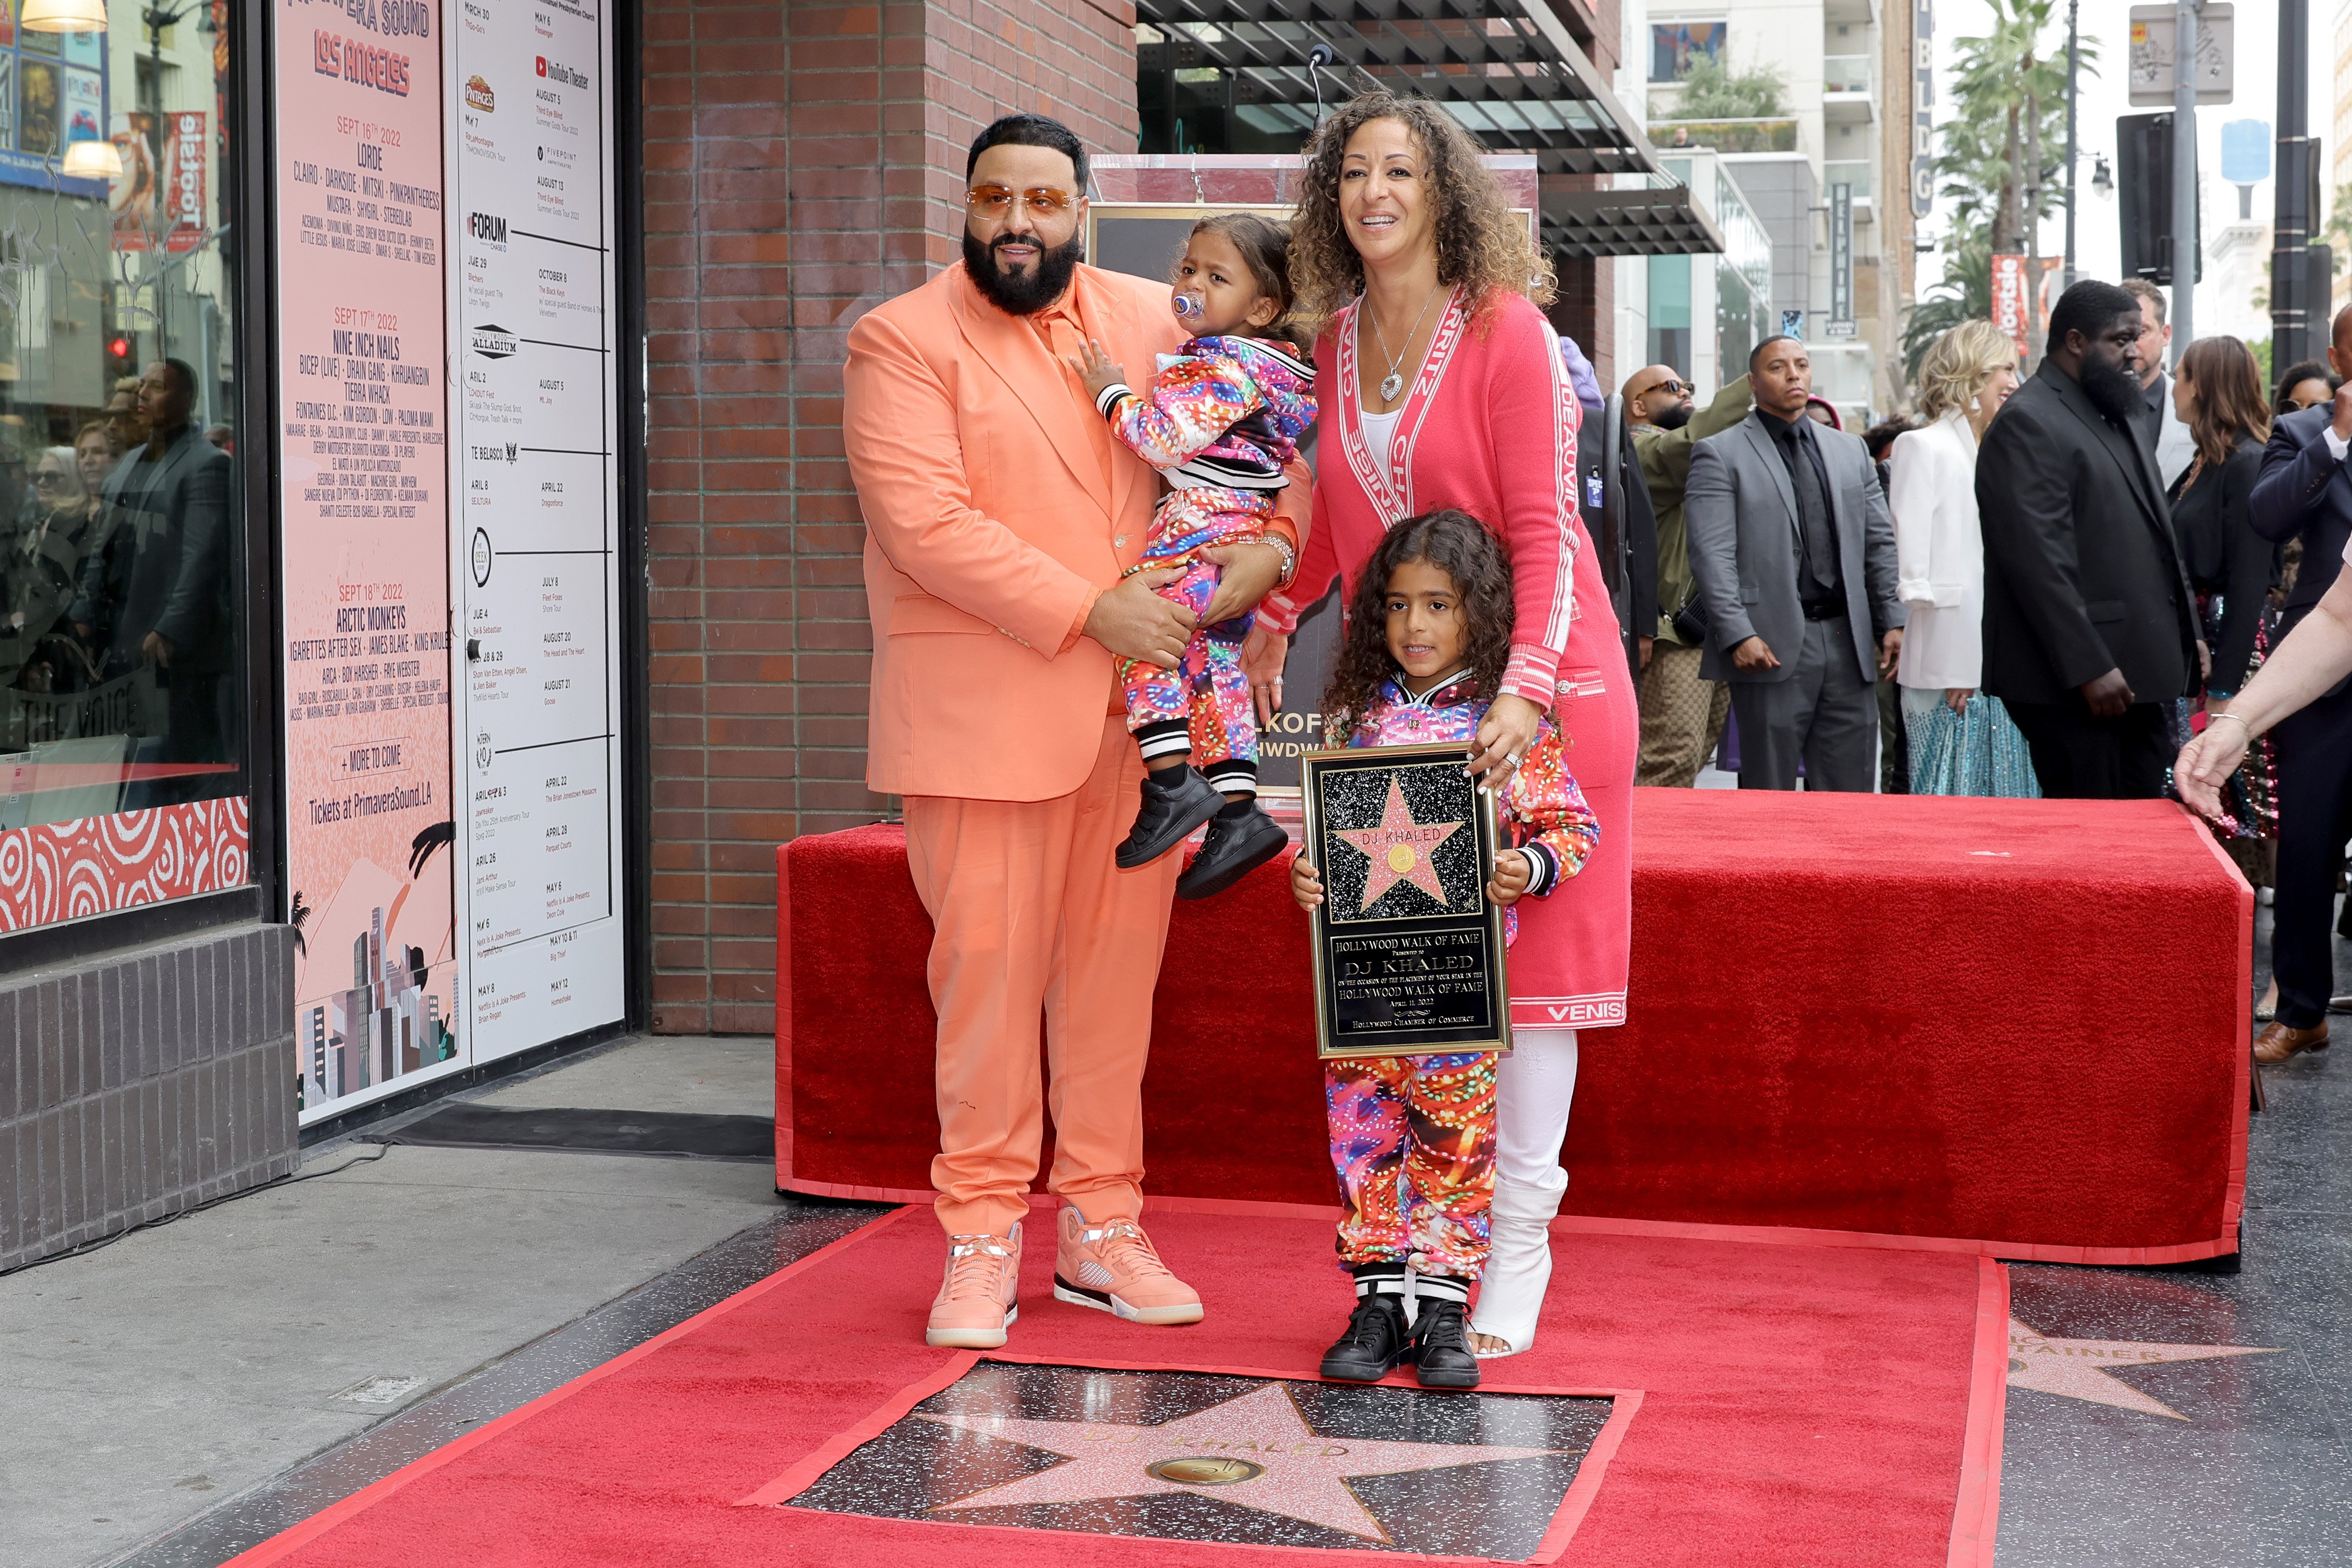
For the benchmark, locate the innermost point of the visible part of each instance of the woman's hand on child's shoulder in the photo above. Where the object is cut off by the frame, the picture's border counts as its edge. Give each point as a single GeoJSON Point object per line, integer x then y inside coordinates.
{"type": "Point", "coordinates": [1098, 369]}
{"type": "Point", "coordinates": [1305, 885]}
{"type": "Point", "coordinates": [1512, 874]}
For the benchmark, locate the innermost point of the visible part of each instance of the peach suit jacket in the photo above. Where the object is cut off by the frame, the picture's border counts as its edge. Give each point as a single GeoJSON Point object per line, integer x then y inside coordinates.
{"type": "Point", "coordinates": [991, 530]}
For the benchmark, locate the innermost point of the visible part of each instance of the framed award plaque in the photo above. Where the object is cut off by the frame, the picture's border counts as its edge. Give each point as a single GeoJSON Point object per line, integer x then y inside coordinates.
{"type": "Point", "coordinates": [1408, 952]}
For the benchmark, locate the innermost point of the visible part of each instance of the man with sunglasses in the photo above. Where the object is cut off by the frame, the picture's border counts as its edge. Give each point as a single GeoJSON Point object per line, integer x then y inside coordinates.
{"type": "Point", "coordinates": [1004, 526]}
{"type": "Point", "coordinates": [1682, 714]}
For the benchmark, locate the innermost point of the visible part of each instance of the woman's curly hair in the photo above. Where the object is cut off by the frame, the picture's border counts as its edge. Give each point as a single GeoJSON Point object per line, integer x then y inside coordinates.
{"type": "Point", "coordinates": [1461, 547]}
{"type": "Point", "coordinates": [1482, 244]}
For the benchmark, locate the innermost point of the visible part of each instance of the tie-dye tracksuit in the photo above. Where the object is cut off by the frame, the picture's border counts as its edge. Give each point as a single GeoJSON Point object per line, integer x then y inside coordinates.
{"type": "Point", "coordinates": [1220, 419]}
{"type": "Point", "coordinates": [1412, 1137]}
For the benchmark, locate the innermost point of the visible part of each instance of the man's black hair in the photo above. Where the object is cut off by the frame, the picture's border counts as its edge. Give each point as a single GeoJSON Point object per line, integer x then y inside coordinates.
{"type": "Point", "coordinates": [183, 371]}
{"type": "Point", "coordinates": [1031, 131]}
{"type": "Point", "coordinates": [1756, 352]}
{"type": "Point", "coordinates": [2089, 308]}
{"type": "Point", "coordinates": [1881, 436]}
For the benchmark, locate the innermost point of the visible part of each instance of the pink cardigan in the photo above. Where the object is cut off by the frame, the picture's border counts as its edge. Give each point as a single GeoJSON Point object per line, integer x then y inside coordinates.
{"type": "Point", "coordinates": [1488, 427]}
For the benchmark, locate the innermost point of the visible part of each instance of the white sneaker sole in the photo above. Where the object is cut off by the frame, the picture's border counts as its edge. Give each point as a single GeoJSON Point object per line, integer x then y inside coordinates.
{"type": "Point", "coordinates": [1104, 1301]}
{"type": "Point", "coordinates": [971, 1339]}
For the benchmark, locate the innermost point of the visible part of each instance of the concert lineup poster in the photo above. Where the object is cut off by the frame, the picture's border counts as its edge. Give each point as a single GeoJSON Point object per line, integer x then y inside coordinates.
{"type": "Point", "coordinates": [365, 510]}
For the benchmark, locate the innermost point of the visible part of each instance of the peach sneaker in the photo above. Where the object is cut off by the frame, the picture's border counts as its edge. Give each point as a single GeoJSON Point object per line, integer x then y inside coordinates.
{"type": "Point", "coordinates": [1113, 1269]}
{"type": "Point", "coordinates": [982, 1293]}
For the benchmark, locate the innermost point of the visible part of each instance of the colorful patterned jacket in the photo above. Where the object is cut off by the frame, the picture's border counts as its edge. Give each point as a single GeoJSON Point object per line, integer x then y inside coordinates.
{"type": "Point", "coordinates": [1543, 811]}
{"type": "Point", "coordinates": [1225, 413]}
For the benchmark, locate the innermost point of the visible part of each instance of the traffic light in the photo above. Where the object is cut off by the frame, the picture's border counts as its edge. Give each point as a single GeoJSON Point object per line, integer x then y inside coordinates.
{"type": "Point", "coordinates": [2144, 181]}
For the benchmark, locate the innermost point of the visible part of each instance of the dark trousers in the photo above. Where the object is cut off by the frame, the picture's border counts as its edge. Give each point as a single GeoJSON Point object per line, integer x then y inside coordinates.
{"type": "Point", "coordinates": [2080, 756]}
{"type": "Point", "coordinates": [2315, 804]}
{"type": "Point", "coordinates": [1825, 712]}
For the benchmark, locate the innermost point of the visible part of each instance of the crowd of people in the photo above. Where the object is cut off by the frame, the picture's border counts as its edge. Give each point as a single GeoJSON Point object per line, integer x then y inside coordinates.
{"type": "Point", "coordinates": [1089, 510]}
{"type": "Point", "coordinates": [115, 577]}
{"type": "Point", "coordinates": [2056, 582]}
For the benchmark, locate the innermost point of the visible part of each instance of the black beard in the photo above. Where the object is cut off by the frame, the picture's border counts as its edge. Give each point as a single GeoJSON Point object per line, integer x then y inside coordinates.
{"type": "Point", "coordinates": [2113, 390]}
{"type": "Point", "coordinates": [1674, 418]}
{"type": "Point", "coordinates": [1031, 291]}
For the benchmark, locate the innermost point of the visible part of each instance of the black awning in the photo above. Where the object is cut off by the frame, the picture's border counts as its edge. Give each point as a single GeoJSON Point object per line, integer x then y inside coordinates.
{"type": "Point", "coordinates": [1507, 71]}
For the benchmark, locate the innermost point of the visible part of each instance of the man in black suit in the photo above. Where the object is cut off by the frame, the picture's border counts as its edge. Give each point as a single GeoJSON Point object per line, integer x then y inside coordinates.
{"type": "Point", "coordinates": [2088, 622]}
{"type": "Point", "coordinates": [156, 593]}
{"type": "Point", "coordinates": [2305, 491]}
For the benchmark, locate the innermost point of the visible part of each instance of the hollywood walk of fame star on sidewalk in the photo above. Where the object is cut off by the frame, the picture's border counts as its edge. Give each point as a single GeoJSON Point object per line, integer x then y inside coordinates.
{"type": "Point", "coordinates": [2079, 1368]}
{"type": "Point", "coordinates": [1299, 1473]}
{"type": "Point", "coordinates": [1398, 849]}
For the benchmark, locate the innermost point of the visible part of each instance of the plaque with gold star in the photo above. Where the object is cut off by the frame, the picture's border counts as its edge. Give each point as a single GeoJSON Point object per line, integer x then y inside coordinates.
{"type": "Point", "coordinates": [1408, 950]}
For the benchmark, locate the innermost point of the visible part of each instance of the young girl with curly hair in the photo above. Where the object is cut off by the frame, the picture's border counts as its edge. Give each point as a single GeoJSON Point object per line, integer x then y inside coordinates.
{"type": "Point", "coordinates": [1439, 384]}
{"type": "Point", "coordinates": [1413, 1138]}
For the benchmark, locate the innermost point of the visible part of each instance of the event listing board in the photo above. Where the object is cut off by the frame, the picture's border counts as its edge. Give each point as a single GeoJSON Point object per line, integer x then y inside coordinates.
{"type": "Point", "coordinates": [535, 519]}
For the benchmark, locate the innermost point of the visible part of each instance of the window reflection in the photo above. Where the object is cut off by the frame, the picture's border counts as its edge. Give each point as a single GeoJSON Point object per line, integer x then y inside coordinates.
{"type": "Point", "coordinates": [121, 547]}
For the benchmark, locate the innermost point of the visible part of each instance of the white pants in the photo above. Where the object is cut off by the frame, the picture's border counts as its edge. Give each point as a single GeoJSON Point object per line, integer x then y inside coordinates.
{"type": "Point", "coordinates": [1533, 1088]}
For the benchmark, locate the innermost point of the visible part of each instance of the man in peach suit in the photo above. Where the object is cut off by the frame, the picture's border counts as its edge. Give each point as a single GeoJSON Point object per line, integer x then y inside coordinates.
{"type": "Point", "coordinates": [1000, 516]}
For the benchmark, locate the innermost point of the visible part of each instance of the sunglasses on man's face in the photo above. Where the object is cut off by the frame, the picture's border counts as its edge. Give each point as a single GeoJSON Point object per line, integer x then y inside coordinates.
{"type": "Point", "coordinates": [1677, 389]}
{"type": "Point", "coordinates": [995, 201]}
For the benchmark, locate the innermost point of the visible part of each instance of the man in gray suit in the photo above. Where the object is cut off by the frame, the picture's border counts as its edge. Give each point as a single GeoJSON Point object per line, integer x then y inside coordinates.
{"type": "Point", "coordinates": [1791, 548]}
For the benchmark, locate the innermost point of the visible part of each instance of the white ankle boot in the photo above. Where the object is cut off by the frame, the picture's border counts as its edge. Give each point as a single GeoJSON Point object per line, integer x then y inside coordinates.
{"type": "Point", "coordinates": [1518, 1265]}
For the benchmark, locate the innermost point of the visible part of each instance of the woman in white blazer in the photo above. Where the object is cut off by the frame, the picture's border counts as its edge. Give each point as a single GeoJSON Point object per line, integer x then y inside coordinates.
{"type": "Point", "coordinates": [1965, 378]}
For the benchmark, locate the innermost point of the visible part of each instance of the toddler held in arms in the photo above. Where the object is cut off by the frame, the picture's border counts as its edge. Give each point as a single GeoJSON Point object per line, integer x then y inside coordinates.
{"type": "Point", "coordinates": [1412, 1137]}
{"type": "Point", "coordinates": [1219, 420]}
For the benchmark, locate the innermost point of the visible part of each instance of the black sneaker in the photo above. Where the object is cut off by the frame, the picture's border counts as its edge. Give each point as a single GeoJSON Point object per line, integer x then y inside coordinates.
{"type": "Point", "coordinates": [1440, 1346]}
{"type": "Point", "coordinates": [1174, 803]}
{"type": "Point", "coordinates": [1241, 839]}
{"type": "Point", "coordinates": [1375, 1341]}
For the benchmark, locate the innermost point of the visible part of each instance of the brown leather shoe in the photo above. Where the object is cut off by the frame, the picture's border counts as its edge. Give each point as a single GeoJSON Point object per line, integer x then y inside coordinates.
{"type": "Point", "coordinates": [2279, 1041]}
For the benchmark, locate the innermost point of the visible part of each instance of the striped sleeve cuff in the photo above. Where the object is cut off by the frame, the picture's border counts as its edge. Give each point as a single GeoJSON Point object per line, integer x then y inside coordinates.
{"type": "Point", "coordinates": [1543, 867]}
{"type": "Point", "coordinates": [1108, 399]}
{"type": "Point", "coordinates": [1276, 613]}
{"type": "Point", "coordinates": [1530, 673]}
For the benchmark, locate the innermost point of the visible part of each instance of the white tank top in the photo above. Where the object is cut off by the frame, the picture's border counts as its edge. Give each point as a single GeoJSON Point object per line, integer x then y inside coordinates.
{"type": "Point", "coordinates": [1380, 434]}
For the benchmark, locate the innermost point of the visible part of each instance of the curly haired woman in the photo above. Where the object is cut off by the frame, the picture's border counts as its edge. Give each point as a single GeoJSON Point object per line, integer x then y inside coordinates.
{"type": "Point", "coordinates": [1439, 385]}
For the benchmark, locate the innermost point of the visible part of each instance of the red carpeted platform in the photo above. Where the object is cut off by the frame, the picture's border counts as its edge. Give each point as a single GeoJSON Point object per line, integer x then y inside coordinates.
{"type": "Point", "coordinates": [2017, 1026]}
{"type": "Point", "coordinates": [1775, 1405]}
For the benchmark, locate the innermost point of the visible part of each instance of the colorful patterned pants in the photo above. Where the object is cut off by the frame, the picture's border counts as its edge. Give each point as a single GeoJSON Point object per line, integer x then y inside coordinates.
{"type": "Point", "coordinates": [1203, 704]}
{"type": "Point", "coordinates": [1412, 1139]}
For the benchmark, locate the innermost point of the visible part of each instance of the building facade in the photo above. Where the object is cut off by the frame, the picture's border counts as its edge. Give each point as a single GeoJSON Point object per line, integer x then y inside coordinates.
{"type": "Point", "coordinates": [1808, 104]}
{"type": "Point", "coordinates": [434, 581]}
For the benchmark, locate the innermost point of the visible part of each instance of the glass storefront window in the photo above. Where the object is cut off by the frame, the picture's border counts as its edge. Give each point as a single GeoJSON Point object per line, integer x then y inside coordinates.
{"type": "Point", "coordinates": [122, 576]}
{"type": "Point", "coordinates": [1743, 276]}
{"type": "Point", "coordinates": [1670, 312]}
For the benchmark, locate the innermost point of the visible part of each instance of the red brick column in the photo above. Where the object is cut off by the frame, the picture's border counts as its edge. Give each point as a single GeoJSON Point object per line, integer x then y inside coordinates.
{"type": "Point", "coordinates": [802, 163]}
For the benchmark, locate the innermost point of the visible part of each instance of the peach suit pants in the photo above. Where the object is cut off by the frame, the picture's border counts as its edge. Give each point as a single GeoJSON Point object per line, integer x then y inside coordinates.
{"type": "Point", "coordinates": [1033, 918]}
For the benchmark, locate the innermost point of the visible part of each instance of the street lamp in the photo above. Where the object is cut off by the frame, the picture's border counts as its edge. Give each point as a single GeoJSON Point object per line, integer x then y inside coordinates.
{"type": "Point", "coordinates": [2074, 64]}
{"type": "Point", "coordinates": [64, 15]}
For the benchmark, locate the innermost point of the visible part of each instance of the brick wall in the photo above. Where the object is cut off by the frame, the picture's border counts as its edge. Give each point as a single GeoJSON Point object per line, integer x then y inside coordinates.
{"type": "Point", "coordinates": [803, 161]}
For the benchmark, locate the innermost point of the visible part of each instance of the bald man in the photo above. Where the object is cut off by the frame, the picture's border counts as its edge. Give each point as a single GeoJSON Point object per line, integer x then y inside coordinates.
{"type": "Point", "coordinates": [1682, 714]}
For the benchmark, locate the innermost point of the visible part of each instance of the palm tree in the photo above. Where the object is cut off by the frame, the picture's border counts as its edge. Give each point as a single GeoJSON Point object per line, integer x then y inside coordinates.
{"type": "Point", "coordinates": [1965, 294]}
{"type": "Point", "coordinates": [2011, 90]}
{"type": "Point", "coordinates": [1999, 163]}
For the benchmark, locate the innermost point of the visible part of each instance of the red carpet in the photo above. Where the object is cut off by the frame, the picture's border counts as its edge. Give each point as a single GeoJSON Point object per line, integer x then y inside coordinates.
{"type": "Point", "coordinates": [1797, 1405]}
{"type": "Point", "coordinates": [2009, 1026]}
